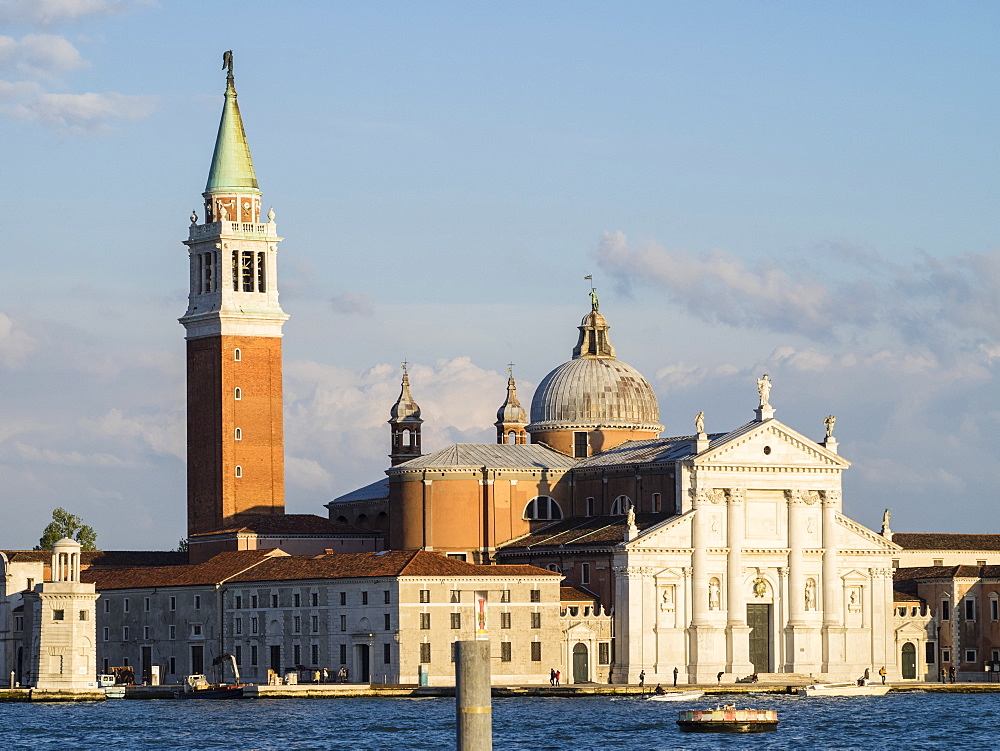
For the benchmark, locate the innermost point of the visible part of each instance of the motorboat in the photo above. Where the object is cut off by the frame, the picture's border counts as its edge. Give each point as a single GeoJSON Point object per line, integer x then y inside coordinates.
{"type": "Point", "coordinates": [728, 719]}
{"type": "Point", "coordinates": [676, 696]}
{"type": "Point", "coordinates": [852, 688]}
{"type": "Point", "coordinates": [197, 686]}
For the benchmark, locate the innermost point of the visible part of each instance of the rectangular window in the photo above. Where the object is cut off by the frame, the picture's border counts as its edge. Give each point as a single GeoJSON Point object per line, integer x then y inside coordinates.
{"type": "Point", "coordinates": [930, 652]}
{"type": "Point", "coordinates": [125, 633]}
{"type": "Point", "coordinates": [107, 606]}
{"type": "Point", "coordinates": [995, 655]}
{"type": "Point", "coordinates": [314, 653]}
{"type": "Point", "coordinates": [584, 573]}
{"type": "Point", "coordinates": [945, 610]}
{"type": "Point", "coordinates": [895, 563]}
{"type": "Point", "coordinates": [197, 602]}
{"type": "Point", "coordinates": [173, 603]}
{"type": "Point", "coordinates": [196, 629]}
{"type": "Point", "coordinates": [238, 655]}
{"type": "Point", "coordinates": [253, 655]}
{"type": "Point", "coordinates": [425, 652]}
{"type": "Point", "coordinates": [343, 598]}
{"type": "Point", "coordinates": [504, 595]}
{"type": "Point", "coordinates": [125, 605]}
{"type": "Point", "coordinates": [172, 631]}
{"type": "Point", "coordinates": [994, 609]}
{"type": "Point", "coordinates": [580, 444]}
{"type": "Point", "coordinates": [314, 599]}
{"type": "Point", "coordinates": [385, 597]}
{"type": "Point", "coordinates": [536, 620]}
{"type": "Point", "coordinates": [505, 620]}
{"type": "Point", "coordinates": [145, 633]}
{"type": "Point", "coordinates": [364, 598]}
{"type": "Point", "coordinates": [297, 599]}
{"type": "Point", "coordinates": [84, 615]}
{"type": "Point", "coordinates": [253, 625]}
{"type": "Point", "coordinates": [656, 502]}
{"type": "Point", "coordinates": [456, 620]}
{"type": "Point", "coordinates": [145, 604]}
{"type": "Point", "coordinates": [938, 562]}
{"type": "Point", "coordinates": [536, 651]}
{"type": "Point", "coordinates": [274, 601]}
{"type": "Point", "coordinates": [239, 602]}
{"type": "Point", "coordinates": [238, 625]}
{"type": "Point", "coordinates": [970, 609]}
{"type": "Point", "coordinates": [536, 595]}
{"type": "Point", "coordinates": [246, 271]}
{"type": "Point", "coordinates": [261, 276]}
{"type": "Point", "coordinates": [343, 654]}
{"type": "Point", "coordinates": [253, 601]}
{"type": "Point", "coordinates": [425, 595]}
{"type": "Point", "coordinates": [297, 654]}
{"type": "Point", "coordinates": [386, 654]}
{"type": "Point", "coordinates": [425, 620]}
{"type": "Point", "coordinates": [604, 653]}
{"type": "Point", "coordinates": [505, 651]}
{"type": "Point", "coordinates": [173, 666]}
{"type": "Point", "coordinates": [343, 623]}
{"type": "Point", "coordinates": [970, 655]}
{"type": "Point", "coordinates": [314, 623]}
{"type": "Point", "coordinates": [945, 655]}
{"type": "Point", "coordinates": [388, 621]}
{"type": "Point", "coordinates": [297, 625]}
{"type": "Point", "coordinates": [31, 585]}
{"type": "Point", "coordinates": [107, 636]}
{"type": "Point", "coordinates": [980, 563]}
{"type": "Point", "coordinates": [456, 595]}
{"type": "Point", "coordinates": [589, 507]}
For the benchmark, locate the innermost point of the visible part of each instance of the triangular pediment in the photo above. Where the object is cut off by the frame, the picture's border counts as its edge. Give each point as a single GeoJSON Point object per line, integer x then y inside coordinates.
{"type": "Point", "coordinates": [672, 533]}
{"type": "Point", "coordinates": [854, 536]}
{"type": "Point", "coordinates": [769, 443]}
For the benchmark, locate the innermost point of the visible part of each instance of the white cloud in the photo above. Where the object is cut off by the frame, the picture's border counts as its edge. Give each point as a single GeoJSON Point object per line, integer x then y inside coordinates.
{"type": "Point", "coordinates": [88, 111]}
{"type": "Point", "coordinates": [68, 458]}
{"type": "Point", "coordinates": [47, 12]}
{"type": "Point", "coordinates": [308, 475]}
{"type": "Point", "coordinates": [352, 303]}
{"type": "Point", "coordinates": [164, 433]}
{"type": "Point", "coordinates": [39, 55]}
{"type": "Point", "coordinates": [14, 343]}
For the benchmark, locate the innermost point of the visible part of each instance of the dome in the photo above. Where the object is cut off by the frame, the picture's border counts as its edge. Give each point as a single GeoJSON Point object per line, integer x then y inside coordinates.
{"type": "Point", "coordinates": [594, 389]}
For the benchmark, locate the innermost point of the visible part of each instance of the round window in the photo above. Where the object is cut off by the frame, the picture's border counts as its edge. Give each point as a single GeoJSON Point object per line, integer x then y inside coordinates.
{"type": "Point", "coordinates": [767, 450]}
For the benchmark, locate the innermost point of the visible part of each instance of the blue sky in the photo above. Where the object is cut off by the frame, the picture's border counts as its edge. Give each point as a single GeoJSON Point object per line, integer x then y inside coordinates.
{"type": "Point", "coordinates": [807, 189]}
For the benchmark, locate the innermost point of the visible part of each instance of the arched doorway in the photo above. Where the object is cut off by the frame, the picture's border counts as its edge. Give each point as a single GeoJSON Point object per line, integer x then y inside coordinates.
{"type": "Point", "coordinates": [581, 663]}
{"type": "Point", "coordinates": [909, 661]}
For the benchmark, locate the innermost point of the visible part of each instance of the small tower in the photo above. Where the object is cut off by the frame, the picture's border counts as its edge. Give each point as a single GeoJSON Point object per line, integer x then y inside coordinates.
{"type": "Point", "coordinates": [512, 420]}
{"type": "Point", "coordinates": [235, 448]}
{"type": "Point", "coordinates": [404, 422]}
{"type": "Point", "coordinates": [61, 615]}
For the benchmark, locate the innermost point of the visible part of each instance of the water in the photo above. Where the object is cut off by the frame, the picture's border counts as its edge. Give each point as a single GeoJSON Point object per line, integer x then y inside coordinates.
{"type": "Point", "coordinates": [904, 721]}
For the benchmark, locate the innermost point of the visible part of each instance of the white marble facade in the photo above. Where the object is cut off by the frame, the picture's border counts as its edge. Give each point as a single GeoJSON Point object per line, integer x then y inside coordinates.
{"type": "Point", "coordinates": [761, 572]}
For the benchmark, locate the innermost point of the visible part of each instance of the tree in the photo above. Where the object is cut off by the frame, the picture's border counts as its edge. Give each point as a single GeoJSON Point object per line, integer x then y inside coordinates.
{"type": "Point", "coordinates": [65, 524]}
{"type": "Point", "coordinates": [182, 546]}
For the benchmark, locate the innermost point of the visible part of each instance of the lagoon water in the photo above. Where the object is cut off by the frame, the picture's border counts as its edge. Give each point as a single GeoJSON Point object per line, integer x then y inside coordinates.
{"type": "Point", "coordinates": [903, 721]}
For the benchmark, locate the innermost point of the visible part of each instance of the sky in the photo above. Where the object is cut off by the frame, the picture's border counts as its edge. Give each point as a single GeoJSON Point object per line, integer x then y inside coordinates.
{"type": "Point", "coordinates": [804, 189]}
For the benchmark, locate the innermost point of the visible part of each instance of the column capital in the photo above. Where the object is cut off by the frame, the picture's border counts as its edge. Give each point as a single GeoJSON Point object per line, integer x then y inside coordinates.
{"type": "Point", "coordinates": [736, 496]}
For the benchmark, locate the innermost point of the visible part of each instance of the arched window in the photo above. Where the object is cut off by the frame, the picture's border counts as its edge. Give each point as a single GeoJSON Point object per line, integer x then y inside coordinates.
{"type": "Point", "coordinates": [589, 505]}
{"type": "Point", "coordinates": [542, 508]}
{"type": "Point", "coordinates": [239, 434]}
{"type": "Point", "coordinates": [237, 355]}
{"type": "Point", "coordinates": [239, 471]}
{"type": "Point", "coordinates": [656, 502]}
{"type": "Point", "coordinates": [511, 437]}
{"type": "Point", "coordinates": [554, 567]}
{"type": "Point", "coordinates": [621, 505]}
{"type": "Point", "coordinates": [238, 393]}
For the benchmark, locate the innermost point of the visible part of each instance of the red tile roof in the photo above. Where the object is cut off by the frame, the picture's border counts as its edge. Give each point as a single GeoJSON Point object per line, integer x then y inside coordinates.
{"type": "Point", "coordinates": [921, 573]}
{"type": "Point", "coordinates": [387, 563]}
{"type": "Point", "coordinates": [215, 570]}
{"type": "Point", "coordinates": [941, 541]}
{"type": "Point", "coordinates": [572, 594]}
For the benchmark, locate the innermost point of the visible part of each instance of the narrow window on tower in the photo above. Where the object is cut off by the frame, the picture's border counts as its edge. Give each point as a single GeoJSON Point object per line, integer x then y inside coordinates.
{"type": "Point", "coordinates": [239, 434]}
{"type": "Point", "coordinates": [239, 471]}
{"type": "Point", "coordinates": [580, 444]}
{"type": "Point", "coordinates": [236, 271]}
{"type": "Point", "coordinates": [246, 271]}
{"type": "Point", "coordinates": [238, 393]}
{"type": "Point", "coordinates": [237, 355]}
{"type": "Point", "coordinates": [207, 278]}
{"type": "Point", "coordinates": [261, 268]}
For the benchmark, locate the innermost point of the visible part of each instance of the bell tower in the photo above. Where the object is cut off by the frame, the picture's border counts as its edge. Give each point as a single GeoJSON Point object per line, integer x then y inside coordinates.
{"type": "Point", "coordinates": [235, 449]}
{"type": "Point", "coordinates": [512, 420]}
{"type": "Point", "coordinates": [404, 424]}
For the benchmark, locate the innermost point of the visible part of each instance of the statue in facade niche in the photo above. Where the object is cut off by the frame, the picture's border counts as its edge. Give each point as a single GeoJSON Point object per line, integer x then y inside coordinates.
{"type": "Point", "coordinates": [699, 423]}
{"type": "Point", "coordinates": [810, 595]}
{"type": "Point", "coordinates": [829, 422]}
{"type": "Point", "coordinates": [764, 389]}
{"type": "Point", "coordinates": [714, 595]}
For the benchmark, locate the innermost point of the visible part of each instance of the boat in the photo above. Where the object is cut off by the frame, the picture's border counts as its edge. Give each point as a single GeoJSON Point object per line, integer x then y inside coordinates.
{"type": "Point", "coordinates": [197, 686]}
{"type": "Point", "coordinates": [107, 684]}
{"type": "Point", "coordinates": [676, 696]}
{"type": "Point", "coordinates": [728, 719]}
{"type": "Point", "coordinates": [851, 688]}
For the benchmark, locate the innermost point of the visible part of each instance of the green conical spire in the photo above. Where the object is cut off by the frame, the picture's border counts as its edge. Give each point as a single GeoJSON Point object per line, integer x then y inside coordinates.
{"type": "Point", "coordinates": [232, 167]}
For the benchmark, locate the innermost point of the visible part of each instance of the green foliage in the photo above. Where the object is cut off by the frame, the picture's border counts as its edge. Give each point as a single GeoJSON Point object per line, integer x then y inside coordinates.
{"type": "Point", "coordinates": [65, 524]}
{"type": "Point", "coordinates": [182, 546]}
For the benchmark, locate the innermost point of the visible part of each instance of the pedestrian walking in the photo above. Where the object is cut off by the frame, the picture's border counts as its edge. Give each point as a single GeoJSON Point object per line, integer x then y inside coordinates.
{"type": "Point", "coordinates": [941, 674]}
{"type": "Point", "coordinates": [881, 672]}
{"type": "Point", "coordinates": [718, 678]}
{"type": "Point", "coordinates": [552, 677]}
{"type": "Point", "coordinates": [326, 675]}
{"type": "Point", "coordinates": [558, 676]}
{"type": "Point", "coordinates": [642, 678]}
{"type": "Point", "coordinates": [951, 673]}
{"type": "Point", "coordinates": [676, 671]}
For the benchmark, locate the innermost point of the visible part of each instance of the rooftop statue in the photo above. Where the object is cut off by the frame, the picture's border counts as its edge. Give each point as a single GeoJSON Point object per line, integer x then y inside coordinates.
{"type": "Point", "coordinates": [829, 422]}
{"type": "Point", "coordinates": [764, 389]}
{"type": "Point", "coordinates": [699, 422]}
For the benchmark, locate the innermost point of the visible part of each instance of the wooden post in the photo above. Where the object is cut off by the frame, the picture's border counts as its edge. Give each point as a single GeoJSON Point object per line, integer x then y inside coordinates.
{"type": "Point", "coordinates": [473, 703]}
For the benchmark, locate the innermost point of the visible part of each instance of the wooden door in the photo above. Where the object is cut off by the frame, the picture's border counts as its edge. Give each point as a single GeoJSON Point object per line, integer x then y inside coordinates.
{"type": "Point", "coordinates": [759, 621]}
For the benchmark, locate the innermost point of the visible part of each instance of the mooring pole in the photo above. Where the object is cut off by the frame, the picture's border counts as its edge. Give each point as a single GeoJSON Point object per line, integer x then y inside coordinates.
{"type": "Point", "coordinates": [473, 704]}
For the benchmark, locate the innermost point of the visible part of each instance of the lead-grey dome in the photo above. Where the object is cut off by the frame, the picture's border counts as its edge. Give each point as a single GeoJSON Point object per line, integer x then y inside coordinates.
{"type": "Point", "coordinates": [594, 389]}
